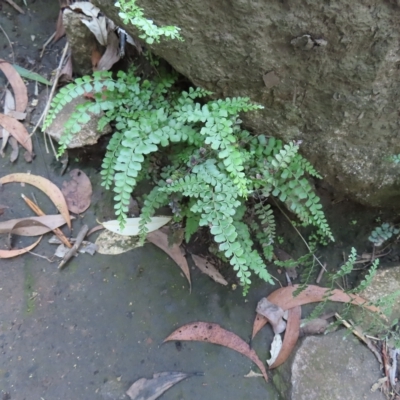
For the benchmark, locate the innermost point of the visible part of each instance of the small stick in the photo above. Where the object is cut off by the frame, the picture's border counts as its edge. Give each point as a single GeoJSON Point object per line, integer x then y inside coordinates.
{"type": "Point", "coordinates": [17, 7]}
{"type": "Point", "coordinates": [53, 89]}
{"type": "Point", "coordinates": [9, 43]}
{"type": "Point", "coordinates": [78, 241]}
{"type": "Point", "coordinates": [46, 43]}
{"type": "Point", "coordinates": [39, 212]}
{"type": "Point", "coordinates": [319, 277]}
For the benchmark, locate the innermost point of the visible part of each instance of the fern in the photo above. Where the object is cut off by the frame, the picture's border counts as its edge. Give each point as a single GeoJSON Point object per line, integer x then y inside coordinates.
{"type": "Point", "coordinates": [214, 165]}
{"type": "Point", "coordinates": [151, 33]}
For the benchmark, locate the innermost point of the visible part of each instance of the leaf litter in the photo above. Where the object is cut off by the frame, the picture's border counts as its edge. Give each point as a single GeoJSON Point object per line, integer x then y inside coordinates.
{"type": "Point", "coordinates": [32, 226]}
{"type": "Point", "coordinates": [77, 191]}
{"type": "Point", "coordinates": [17, 84]}
{"type": "Point", "coordinates": [209, 269]}
{"type": "Point", "coordinates": [151, 389]}
{"type": "Point", "coordinates": [49, 188]}
{"type": "Point", "coordinates": [214, 333]}
{"type": "Point", "coordinates": [17, 130]}
{"type": "Point", "coordinates": [110, 243]}
{"type": "Point", "coordinates": [18, 252]}
{"type": "Point", "coordinates": [132, 225]}
{"type": "Point", "coordinates": [160, 239]}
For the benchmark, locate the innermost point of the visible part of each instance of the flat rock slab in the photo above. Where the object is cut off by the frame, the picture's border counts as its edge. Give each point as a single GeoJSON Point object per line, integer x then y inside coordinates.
{"type": "Point", "coordinates": [331, 367]}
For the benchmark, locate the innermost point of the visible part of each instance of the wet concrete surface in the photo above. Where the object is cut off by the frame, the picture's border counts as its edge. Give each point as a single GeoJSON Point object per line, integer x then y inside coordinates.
{"type": "Point", "coordinates": [91, 330]}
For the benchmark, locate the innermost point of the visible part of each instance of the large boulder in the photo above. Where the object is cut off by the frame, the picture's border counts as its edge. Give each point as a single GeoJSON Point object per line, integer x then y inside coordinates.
{"type": "Point", "coordinates": [327, 73]}
{"type": "Point", "coordinates": [330, 367]}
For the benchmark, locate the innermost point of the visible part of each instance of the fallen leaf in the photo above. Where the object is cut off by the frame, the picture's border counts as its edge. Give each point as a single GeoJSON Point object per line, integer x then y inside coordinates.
{"type": "Point", "coordinates": [96, 56]}
{"type": "Point", "coordinates": [15, 149]}
{"type": "Point", "coordinates": [213, 333]}
{"type": "Point", "coordinates": [160, 239]}
{"type": "Point", "coordinates": [17, 84]}
{"type": "Point", "coordinates": [207, 268]}
{"type": "Point", "coordinates": [9, 105]}
{"type": "Point", "coordinates": [283, 297]}
{"type": "Point", "coordinates": [111, 243]}
{"type": "Point", "coordinates": [132, 225]}
{"type": "Point", "coordinates": [276, 347]}
{"type": "Point", "coordinates": [14, 253]}
{"type": "Point", "coordinates": [17, 130]}
{"type": "Point", "coordinates": [253, 374]}
{"type": "Point", "coordinates": [44, 185]}
{"type": "Point", "coordinates": [77, 191]}
{"type": "Point", "coordinates": [95, 229]}
{"type": "Point", "coordinates": [60, 30]}
{"type": "Point", "coordinates": [291, 336]}
{"type": "Point", "coordinates": [273, 313]}
{"type": "Point", "coordinates": [151, 389]}
{"type": "Point", "coordinates": [66, 72]}
{"type": "Point", "coordinates": [271, 79]}
{"type": "Point", "coordinates": [32, 226]}
{"type": "Point", "coordinates": [97, 24]}
{"type": "Point", "coordinates": [111, 55]}
{"type": "Point", "coordinates": [33, 76]}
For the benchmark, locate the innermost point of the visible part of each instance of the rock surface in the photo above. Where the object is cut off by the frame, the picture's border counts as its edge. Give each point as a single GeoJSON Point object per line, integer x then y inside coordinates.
{"type": "Point", "coordinates": [330, 367]}
{"type": "Point", "coordinates": [326, 72]}
{"type": "Point", "coordinates": [385, 282]}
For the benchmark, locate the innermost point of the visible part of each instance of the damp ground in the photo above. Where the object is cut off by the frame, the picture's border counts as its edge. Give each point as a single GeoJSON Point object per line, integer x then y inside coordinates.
{"type": "Point", "coordinates": [92, 329]}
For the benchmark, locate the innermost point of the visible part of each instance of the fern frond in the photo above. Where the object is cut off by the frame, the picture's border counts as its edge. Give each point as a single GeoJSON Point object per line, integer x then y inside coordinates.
{"type": "Point", "coordinates": [154, 200]}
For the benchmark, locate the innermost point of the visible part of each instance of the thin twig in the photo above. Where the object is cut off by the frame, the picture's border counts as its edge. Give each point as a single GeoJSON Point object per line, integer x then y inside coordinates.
{"type": "Point", "coordinates": [53, 89]}
{"type": "Point", "coordinates": [9, 42]}
{"type": "Point", "coordinates": [79, 239]}
{"type": "Point", "coordinates": [39, 212]}
{"type": "Point", "coordinates": [38, 255]}
{"type": "Point", "coordinates": [17, 7]}
{"type": "Point", "coordinates": [319, 277]}
{"type": "Point", "coordinates": [46, 43]}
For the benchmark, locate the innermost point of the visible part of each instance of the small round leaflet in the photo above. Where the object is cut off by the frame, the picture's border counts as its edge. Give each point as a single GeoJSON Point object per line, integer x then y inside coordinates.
{"type": "Point", "coordinates": [77, 191]}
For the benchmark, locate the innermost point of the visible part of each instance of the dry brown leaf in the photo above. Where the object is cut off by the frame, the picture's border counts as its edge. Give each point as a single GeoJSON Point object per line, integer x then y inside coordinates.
{"type": "Point", "coordinates": [151, 389]}
{"type": "Point", "coordinates": [291, 336]}
{"type": "Point", "coordinates": [96, 57]}
{"type": "Point", "coordinates": [44, 185]}
{"type": "Point", "coordinates": [283, 297]}
{"type": "Point", "coordinates": [15, 149]}
{"type": "Point", "coordinates": [97, 23]}
{"type": "Point", "coordinates": [207, 268]}
{"type": "Point", "coordinates": [160, 239]}
{"type": "Point", "coordinates": [17, 130]}
{"type": "Point", "coordinates": [9, 105]}
{"type": "Point", "coordinates": [17, 84]}
{"type": "Point", "coordinates": [111, 55]}
{"type": "Point", "coordinates": [60, 30]}
{"type": "Point", "coordinates": [95, 229]}
{"type": "Point", "coordinates": [213, 333]}
{"type": "Point", "coordinates": [15, 253]}
{"type": "Point", "coordinates": [66, 72]}
{"type": "Point", "coordinates": [32, 226]}
{"type": "Point", "coordinates": [77, 191]}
